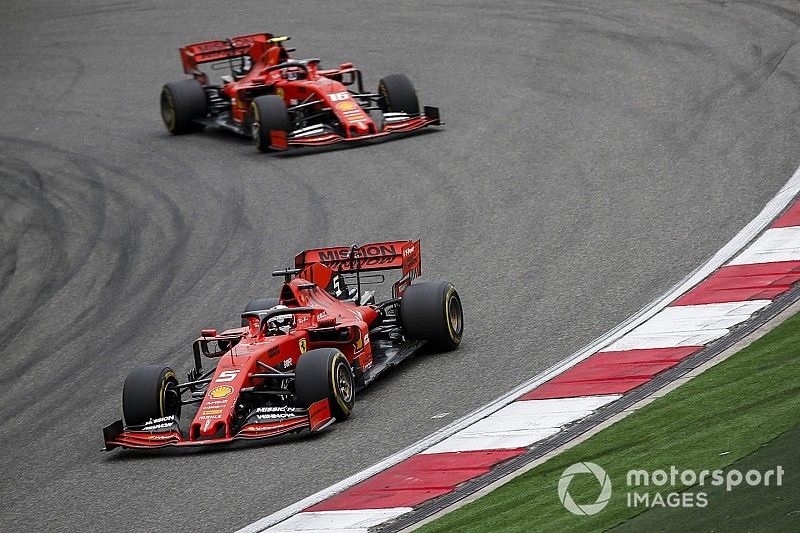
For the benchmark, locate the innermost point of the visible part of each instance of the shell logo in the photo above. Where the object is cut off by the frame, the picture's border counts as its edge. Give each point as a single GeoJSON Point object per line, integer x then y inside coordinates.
{"type": "Point", "coordinates": [345, 106]}
{"type": "Point", "coordinates": [221, 391]}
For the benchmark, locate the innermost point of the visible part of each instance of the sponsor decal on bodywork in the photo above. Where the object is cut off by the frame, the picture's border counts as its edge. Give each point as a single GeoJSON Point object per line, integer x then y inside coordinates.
{"type": "Point", "coordinates": [170, 418]}
{"type": "Point", "coordinates": [220, 392]}
{"type": "Point", "coordinates": [160, 437]}
{"type": "Point", "coordinates": [159, 426]}
{"type": "Point", "coordinates": [359, 344]}
{"type": "Point", "coordinates": [213, 402]}
{"type": "Point", "coordinates": [371, 255]}
{"type": "Point", "coordinates": [263, 413]}
{"type": "Point", "coordinates": [274, 416]}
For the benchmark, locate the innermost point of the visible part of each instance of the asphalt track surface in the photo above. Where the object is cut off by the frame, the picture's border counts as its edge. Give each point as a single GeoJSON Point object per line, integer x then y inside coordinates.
{"type": "Point", "coordinates": [594, 153]}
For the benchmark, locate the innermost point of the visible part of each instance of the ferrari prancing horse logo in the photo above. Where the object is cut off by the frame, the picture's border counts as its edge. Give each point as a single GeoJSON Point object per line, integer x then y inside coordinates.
{"type": "Point", "coordinates": [303, 346]}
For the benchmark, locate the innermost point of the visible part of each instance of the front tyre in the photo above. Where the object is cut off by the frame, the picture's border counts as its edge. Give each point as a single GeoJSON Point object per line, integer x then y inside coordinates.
{"type": "Point", "coordinates": [398, 94]}
{"type": "Point", "coordinates": [325, 373]}
{"type": "Point", "coordinates": [150, 392]}
{"type": "Point", "coordinates": [269, 118]}
{"type": "Point", "coordinates": [182, 103]}
{"type": "Point", "coordinates": [432, 311]}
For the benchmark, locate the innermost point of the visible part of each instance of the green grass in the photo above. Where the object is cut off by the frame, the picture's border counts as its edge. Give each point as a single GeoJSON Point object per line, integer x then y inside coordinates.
{"type": "Point", "coordinates": [759, 508]}
{"type": "Point", "coordinates": [716, 419]}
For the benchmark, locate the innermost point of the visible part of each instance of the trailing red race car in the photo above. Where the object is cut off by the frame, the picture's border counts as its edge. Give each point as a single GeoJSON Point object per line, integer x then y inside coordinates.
{"type": "Point", "coordinates": [283, 102]}
{"type": "Point", "coordinates": [299, 359]}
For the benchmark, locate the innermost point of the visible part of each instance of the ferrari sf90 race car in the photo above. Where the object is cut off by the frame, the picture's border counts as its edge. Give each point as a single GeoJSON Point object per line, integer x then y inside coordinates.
{"type": "Point", "coordinates": [282, 102]}
{"type": "Point", "coordinates": [298, 360]}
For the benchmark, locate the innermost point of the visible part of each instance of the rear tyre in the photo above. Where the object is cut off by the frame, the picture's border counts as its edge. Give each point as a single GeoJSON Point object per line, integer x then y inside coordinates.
{"type": "Point", "coordinates": [259, 304]}
{"type": "Point", "coordinates": [182, 102]}
{"type": "Point", "coordinates": [398, 94]}
{"type": "Point", "coordinates": [432, 311]}
{"type": "Point", "coordinates": [268, 115]}
{"type": "Point", "coordinates": [325, 373]}
{"type": "Point", "coordinates": [150, 392]}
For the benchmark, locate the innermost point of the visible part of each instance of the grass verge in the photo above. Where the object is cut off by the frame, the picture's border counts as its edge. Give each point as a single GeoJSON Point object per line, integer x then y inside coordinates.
{"type": "Point", "coordinates": [745, 508]}
{"type": "Point", "coordinates": [711, 422]}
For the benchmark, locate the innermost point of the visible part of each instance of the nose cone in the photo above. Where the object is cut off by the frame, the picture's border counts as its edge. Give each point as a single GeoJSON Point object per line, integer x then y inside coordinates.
{"type": "Point", "coordinates": [362, 127]}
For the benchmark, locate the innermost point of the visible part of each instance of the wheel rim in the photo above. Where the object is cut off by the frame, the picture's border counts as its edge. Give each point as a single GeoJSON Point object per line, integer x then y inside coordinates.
{"type": "Point", "coordinates": [255, 127]}
{"type": "Point", "coordinates": [167, 110]}
{"type": "Point", "coordinates": [172, 399]}
{"type": "Point", "coordinates": [387, 106]}
{"type": "Point", "coordinates": [344, 382]}
{"type": "Point", "coordinates": [455, 317]}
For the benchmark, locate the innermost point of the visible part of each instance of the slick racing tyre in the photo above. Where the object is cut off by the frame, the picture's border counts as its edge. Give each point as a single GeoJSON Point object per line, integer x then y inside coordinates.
{"type": "Point", "coordinates": [268, 115]}
{"type": "Point", "coordinates": [183, 102]}
{"type": "Point", "coordinates": [432, 311]}
{"type": "Point", "coordinates": [150, 392]}
{"type": "Point", "coordinates": [325, 373]}
{"type": "Point", "coordinates": [259, 304]}
{"type": "Point", "coordinates": [398, 94]}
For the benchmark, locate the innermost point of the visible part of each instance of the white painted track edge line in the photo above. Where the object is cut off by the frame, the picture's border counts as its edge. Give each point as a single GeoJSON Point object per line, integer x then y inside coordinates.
{"type": "Point", "coordinates": [747, 234]}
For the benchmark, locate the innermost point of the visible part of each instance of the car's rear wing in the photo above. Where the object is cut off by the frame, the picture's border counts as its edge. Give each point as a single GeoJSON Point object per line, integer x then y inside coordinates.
{"type": "Point", "coordinates": [404, 255]}
{"type": "Point", "coordinates": [196, 54]}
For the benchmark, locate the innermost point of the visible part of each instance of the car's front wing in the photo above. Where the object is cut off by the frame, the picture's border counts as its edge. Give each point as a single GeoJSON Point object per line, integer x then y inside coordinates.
{"type": "Point", "coordinates": [430, 117]}
{"type": "Point", "coordinates": [161, 433]}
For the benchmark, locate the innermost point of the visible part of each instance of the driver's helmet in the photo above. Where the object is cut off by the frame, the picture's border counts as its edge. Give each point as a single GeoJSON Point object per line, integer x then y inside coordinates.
{"type": "Point", "coordinates": [291, 74]}
{"type": "Point", "coordinates": [281, 323]}
{"type": "Point", "coordinates": [241, 69]}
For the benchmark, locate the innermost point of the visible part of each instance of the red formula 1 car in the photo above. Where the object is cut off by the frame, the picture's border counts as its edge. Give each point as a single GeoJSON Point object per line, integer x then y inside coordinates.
{"type": "Point", "coordinates": [284, 102]}
{"type": "Point", "coordinates": [299, 359]}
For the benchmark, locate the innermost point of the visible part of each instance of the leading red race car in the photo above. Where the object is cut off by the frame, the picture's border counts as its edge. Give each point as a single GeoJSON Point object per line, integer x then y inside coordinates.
{"type": "Point", "coordinates": [299, 359]}
{"type": "Point", "coordinates": [283, 102]}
